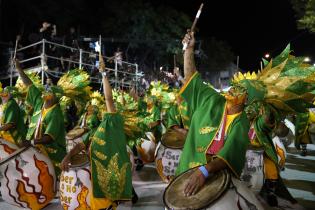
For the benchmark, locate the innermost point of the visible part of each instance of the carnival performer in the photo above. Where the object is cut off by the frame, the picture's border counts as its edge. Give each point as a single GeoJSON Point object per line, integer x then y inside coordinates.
{"type": "Point", "coordinates": [46, 129]}
{"type": "Point", "coordinates": [264, 120]}
{"type": "Point", "coordinates": [13, 128]}
{"type": "Point", "coordinates": [212, 116]}
{"type": "Point", "coordinates": [218, 135]}
{"type": "Point", "coordinates": [110, 164]}
{"type": "Point", "coordinates": [302, 135]}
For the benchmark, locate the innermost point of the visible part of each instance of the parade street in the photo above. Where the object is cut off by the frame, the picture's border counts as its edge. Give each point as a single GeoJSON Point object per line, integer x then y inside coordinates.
{"type": "Point", "coordinates": [299, 176]}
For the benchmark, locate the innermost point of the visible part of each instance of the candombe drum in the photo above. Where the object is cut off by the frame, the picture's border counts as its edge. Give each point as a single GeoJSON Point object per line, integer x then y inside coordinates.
{"type": "Point", "coordinates": [253, 172]}
{"type": "Point", "coordinates": [147, 148]}
{"type": "Point", "coordinates": [6, 148]}
{"type": "Point", "coordinates": [221, 191]}
{"type": "Point", "coordinates": [131, 157]}
{"type": "Point", "coordinates": [75, 184]}
{"type": "Point", "coordinates": [168, 153]}
{"type": "Point", "coordinates": [74, 137]}
{"type": "Point", "coordinates": [27, 179]}
{"type": "Point", "coordinates": [280, 150]}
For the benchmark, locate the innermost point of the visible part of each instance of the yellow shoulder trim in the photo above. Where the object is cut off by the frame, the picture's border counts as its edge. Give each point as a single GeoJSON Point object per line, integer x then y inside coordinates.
{"type": "Point", "coordinates": [187, 83]}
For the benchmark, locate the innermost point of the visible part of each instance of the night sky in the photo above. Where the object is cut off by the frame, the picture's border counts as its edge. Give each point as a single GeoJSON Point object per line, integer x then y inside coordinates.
{"type": "Point", "coordinates": [251, 28]}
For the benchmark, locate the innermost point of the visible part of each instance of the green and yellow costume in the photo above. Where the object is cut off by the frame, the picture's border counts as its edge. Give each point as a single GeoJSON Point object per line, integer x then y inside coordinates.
{"type": "Point", "coordinates": [207, 109]}
{"type": "Point", "coordinates": [47, 122]}
{"type": "Point", "coordinates": [110, 164]}
{"type": "Point", "coordinates": [11, 113]}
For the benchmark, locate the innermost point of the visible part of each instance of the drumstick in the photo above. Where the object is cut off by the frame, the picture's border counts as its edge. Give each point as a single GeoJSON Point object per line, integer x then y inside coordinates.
{"type": "Point", "coordinates": [15, 49]}
{"type": "Point", "coordinates": [194, 24]}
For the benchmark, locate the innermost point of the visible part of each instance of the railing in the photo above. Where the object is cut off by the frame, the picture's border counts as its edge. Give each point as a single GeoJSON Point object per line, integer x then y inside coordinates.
{"type": "Point", "coordinates": [121, 73]}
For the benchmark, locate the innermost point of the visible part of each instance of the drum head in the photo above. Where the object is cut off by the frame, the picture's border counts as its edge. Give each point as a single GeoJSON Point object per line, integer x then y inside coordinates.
{"type": "Point", "coordinates": [75, 133]}
{"type": "Point", "coordinates": [79, 160]}
{"type": "Point", "coordinates": [215, 186]}
{"type": "Point", "coordinates": [173, 139]}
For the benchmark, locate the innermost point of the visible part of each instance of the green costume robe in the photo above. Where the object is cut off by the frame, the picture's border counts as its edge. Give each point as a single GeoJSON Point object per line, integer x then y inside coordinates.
{"type": "Point", "coordinates": [207, 109]}
{"type": "Point", "coordinates": [301, 129]}
{"type": "Point", "coordinates": [179, 115]}
{"type": "Point", "coordinates": [110, 164]}
{"type": "Point", "coordinates": [92, 122]}
{"type": "Point", "coordinates": [13, 114]}
{"type": "Point", "coordinates": [264, 137]}
{"type": "Point", "coordinates": [51, 124]}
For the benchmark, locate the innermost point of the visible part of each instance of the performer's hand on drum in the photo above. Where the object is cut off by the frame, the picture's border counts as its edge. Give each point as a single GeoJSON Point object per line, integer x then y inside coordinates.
{"type": "Point", "coordinates": [189, 39]}
{"type": "Point", "coordinates": [196, 181]}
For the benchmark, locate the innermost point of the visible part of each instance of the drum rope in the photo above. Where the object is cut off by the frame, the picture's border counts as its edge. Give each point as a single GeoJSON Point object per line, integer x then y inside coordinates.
{"type": "Point", "coordinates": [248, 203]}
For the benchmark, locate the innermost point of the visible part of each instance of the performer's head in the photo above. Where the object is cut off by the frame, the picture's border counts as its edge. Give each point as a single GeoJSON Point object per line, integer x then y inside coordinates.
{"type": "Point", "coordinates": [49, 97]}
{"type": "Point", "coordinates": [5, 95]}
{"type": "Point", "coordinates": [236, 96]}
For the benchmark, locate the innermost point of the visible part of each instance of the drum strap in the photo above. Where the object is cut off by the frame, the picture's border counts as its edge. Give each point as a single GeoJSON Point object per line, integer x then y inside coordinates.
{"type": "Point", "coordinates": [250, 205]}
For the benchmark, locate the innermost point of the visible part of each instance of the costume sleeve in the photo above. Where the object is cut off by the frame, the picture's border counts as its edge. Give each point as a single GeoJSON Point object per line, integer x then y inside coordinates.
{"type": "Point", "coordinates": [11, 113]}
{"type": "Point", "coordinates": [196, 93]}
{"type": "Point", "coordinates": [173, 117]}
{"type": "Point", "coordinates": [234, 150]}
{"type": "Point", "coordinates": [54, 124]}
{"type": "Point", "coordinates": [34, 96]}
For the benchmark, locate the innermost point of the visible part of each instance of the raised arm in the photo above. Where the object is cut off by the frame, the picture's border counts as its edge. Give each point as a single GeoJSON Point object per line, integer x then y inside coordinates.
{"type": "Point", "coordinates": [108, 94]}
{"type": "Point", "coordinates": [189, 60]}
{"type": "Point", "coordinates": [25, 79]}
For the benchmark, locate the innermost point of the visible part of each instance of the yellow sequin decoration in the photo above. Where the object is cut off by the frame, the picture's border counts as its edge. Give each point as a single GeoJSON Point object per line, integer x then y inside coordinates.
{"type": "Point", "coordinates": [111, 180]}
{"type": "Point", "coordinates": [207, 129]}
{"type": "Point", "coordinates": [100, 155]}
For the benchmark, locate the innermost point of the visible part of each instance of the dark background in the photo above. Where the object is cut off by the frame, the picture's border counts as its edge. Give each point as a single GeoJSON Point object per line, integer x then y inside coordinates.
{"type": "Point", "coordinates": [251, 28]}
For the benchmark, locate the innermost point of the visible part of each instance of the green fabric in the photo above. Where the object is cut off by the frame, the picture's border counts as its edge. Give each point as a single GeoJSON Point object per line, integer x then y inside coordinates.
{"type": "Point", "coordinates": [301, 87]}
{"type": "Point", "coordinates": [110, 164]}
{"type": "Point", "coordinates": [207, 109]}
{"type": "Point", "coordinates": [92, 123]}
{"type": "Point", "coordinates": [179, 115]}
{"type": "Point", "coordinates": [13, 114]}
{"type": "Point", "coordinates": [173, 116]}
{"type": "Point", "coordinates": [185, 114]}
{"type": "Point", "coordinates": [301, 125]}
{"type": "Point", "coordinates": [282, 57]}
{"type": "Point", "coordinates": [52, 124]}
{"type": "Point", "coordinates": [263, 133]}
{"type": "Point", "coordinates": [255, 90]}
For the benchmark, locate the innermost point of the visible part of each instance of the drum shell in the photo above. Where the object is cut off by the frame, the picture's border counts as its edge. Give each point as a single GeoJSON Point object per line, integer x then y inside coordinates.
{"type": "Point", "coordinates": [28, 179]}
{"type": "Point", "coordinates": [146, 149]}
{"type": "Point", "coordinates": [166, 161]}
{"type": "Point", "coordinates": [75, 187]}
{"type": "Point", "coordinates": [230, 195]}
{"type": "Point", "coordinates": [6, 148]}
{"type": "Point", "coordinates": [253, 171]}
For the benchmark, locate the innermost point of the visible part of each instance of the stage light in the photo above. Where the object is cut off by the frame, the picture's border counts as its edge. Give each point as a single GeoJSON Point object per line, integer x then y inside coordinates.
{"type": "Point", "coordinates": [307, 59]}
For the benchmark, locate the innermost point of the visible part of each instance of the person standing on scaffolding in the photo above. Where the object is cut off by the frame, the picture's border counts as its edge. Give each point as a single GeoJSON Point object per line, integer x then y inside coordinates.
{"type": "Point", "coordinates": [48, 32]}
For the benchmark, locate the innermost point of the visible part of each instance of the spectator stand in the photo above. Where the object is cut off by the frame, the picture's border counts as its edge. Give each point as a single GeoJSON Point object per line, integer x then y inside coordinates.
{"type": "Point", "coordinates": [49, 63]}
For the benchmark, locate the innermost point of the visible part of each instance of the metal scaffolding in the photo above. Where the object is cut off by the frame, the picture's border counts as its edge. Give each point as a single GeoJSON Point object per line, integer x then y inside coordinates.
{"type": "Point", "coordinates": [121, 73]}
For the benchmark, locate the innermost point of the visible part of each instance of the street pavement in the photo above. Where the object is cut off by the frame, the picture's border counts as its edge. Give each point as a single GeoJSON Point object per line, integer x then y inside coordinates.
{"type": "Point", "coordinates": [299, 177]}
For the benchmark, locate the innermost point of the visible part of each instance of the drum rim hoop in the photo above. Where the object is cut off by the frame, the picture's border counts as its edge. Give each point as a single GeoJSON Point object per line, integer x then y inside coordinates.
{"type": "Point", "coordinates": [14, 154]}
{"type": "Point", "coordinates": [214, 200]}
{"type": "Point", "coordinates": [171, 147]}
{"type": "Point", "coordinates": [78, 136]}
